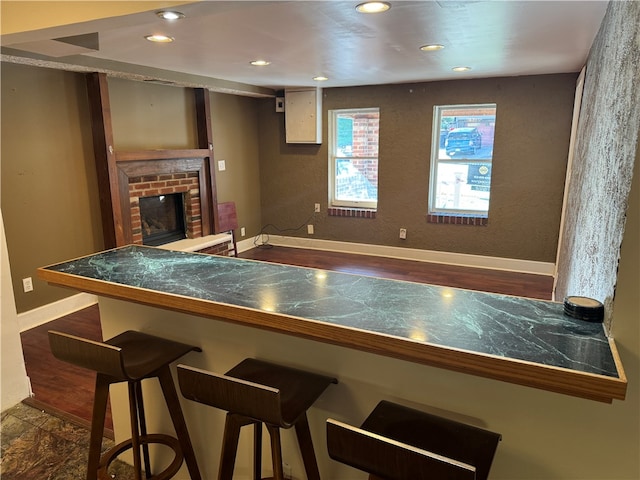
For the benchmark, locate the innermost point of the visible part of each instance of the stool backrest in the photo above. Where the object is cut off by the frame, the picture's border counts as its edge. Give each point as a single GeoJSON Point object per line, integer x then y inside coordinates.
{"type": "Point", "coordinates": [97, 356]}
{"type": "Point", "coordinates": [250, 399]}
{"type": "Point", "coordinates": [443, 436]}
{"type": "Point", "coordinates": [389, 459]}
{"type": "Point", "coordinates": [227, 217]}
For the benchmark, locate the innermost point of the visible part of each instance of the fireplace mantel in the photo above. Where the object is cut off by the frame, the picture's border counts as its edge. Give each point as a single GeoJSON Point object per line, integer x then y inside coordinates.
{"type": "Point", "coordinates": [116, 169]}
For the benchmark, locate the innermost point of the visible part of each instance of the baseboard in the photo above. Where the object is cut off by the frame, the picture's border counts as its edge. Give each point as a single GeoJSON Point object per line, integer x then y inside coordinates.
{"type": "Point", "coordinates": [449, 258]}
{"type": "Point", "coordinates": [244, 245]}
{"type": "Point", "coordinates": [51, 311]}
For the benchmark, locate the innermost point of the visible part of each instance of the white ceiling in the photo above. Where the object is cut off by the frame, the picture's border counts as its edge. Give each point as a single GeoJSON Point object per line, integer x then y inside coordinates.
{"type": "Point", "coordinates": [302, 39]}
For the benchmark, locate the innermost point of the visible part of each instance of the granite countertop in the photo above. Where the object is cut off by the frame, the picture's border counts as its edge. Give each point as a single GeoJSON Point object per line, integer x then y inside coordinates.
{"type": "Point", "coordinates": [390, 312]}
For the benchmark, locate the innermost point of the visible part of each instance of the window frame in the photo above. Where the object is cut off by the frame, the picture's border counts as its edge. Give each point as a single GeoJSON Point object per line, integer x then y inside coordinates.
{"type": "Point", "coordinates": [466, 160]}
{"type": "Point", "coordinates": [332, 147]}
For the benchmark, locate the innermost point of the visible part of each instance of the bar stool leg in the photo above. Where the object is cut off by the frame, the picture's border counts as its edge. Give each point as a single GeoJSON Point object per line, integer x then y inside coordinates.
{"type": "Point", "coordinates": [232, 426]}
{"type": "Point", "coordinates": [135, 430]}
{"type": "Point", "coordinates": [257, 451]}
{"type": "Point", "coordinates": [276, 452]}
{"type": "Point", "coordinates": [143, 428]}
{"type": "Point", "coordinates": [306, 448]}
{"type": "Point", "coordinates": [100, 401]}
{"type": "Point", "coordinates": [179, 424]}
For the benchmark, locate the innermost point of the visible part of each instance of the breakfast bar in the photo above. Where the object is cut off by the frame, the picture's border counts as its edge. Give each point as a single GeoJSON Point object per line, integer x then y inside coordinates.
{"type": "Point", "coordinates": [368, 332]}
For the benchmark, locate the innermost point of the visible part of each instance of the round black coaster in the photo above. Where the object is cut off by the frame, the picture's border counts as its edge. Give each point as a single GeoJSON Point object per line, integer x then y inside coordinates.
{"type": "Point", "coordinates": [584, 308]}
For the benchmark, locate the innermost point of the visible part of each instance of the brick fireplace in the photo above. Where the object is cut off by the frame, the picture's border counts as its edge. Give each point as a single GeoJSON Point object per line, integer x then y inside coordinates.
{"type": "Point", "coordinates": [126, 176]}
{"type": "Point", "coordinates": [153, 185]}
{"type": "Point", "coordinates": [148, 174]}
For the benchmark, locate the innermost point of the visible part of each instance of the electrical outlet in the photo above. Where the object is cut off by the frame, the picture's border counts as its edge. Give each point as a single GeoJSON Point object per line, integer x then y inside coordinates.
{"type": "Point", "coordinates": [310, 229]}
{"type": "Point", "coordinates": [286, 471]}
{"type": "Point", "coordinates": [27, 284]}
{"type": "Point", "coordinates": [242, 232]}
{"type": "Point", "coordinates": [403, 233]}
{"type": "Point", "coordinates": [317, 208]}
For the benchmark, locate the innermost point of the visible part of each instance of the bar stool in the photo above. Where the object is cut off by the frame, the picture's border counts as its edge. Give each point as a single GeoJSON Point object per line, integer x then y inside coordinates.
{"type": "Point", "coordinates": [399, 443]}
{"type": "Point", "coordinates": [130, 357]}
{"type": "Point", "coordinates": [256, 392]}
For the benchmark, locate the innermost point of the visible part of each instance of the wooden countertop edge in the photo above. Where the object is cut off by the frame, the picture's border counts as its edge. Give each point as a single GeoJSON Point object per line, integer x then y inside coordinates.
{"type": "Point", "coordinates": [555, 379]}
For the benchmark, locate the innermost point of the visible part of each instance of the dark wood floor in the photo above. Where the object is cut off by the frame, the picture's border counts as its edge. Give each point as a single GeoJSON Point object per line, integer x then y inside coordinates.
{"type": "Point", "coordinates": [494, 281]}
{"type": "Point", "coordinates": [60, 387]}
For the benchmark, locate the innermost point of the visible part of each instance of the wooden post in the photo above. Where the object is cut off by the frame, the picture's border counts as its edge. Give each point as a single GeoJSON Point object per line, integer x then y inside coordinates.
{"type": "Point", "coordinates": [205, 140]}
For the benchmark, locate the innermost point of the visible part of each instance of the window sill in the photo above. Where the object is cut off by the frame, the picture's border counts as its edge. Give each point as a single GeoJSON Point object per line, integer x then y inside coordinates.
{"type": "Point", "coordinates": [351, 212]}
{"type": "Point", "coordinates": [457, 219]}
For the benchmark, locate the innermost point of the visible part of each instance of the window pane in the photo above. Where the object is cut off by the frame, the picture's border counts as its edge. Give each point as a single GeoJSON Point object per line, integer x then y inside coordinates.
{"type": "Point", "coordinates": [356, 179]}
{"type": "Point", "coordinates": [461, 159]}
{"type": "Point", "coordinates": [467, 132]}
{"type": "Point", "coordinates": [463, 186]}
{"type": "Point", "coordinates": [357, 134]}
{"type": "Point", "coordinates": [353, 157]}
{"type": "Point", "coordinates": [344, 137]}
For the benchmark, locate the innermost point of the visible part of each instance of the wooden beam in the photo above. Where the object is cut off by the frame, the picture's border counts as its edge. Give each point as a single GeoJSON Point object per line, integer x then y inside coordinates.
{"type": "Point", "coordinates": [100, 109]}
{"type": "Point", "coordinates": [205, 140]}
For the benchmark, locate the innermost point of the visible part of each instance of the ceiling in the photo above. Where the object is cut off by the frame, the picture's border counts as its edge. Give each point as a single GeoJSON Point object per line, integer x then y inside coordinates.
{"type": "Point", "coordinates": [216, 40]}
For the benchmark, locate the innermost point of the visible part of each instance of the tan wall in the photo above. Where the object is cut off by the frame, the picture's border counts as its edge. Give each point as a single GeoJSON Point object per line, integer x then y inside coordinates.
{"type": "Point", "coordinates": [235, 134]}
{"type": "Point", "coordinates": [530, 153]}
{"type": "Point", "coordinates": [149, 116]}
{"type": "Point", "coordinates": [49, 189]}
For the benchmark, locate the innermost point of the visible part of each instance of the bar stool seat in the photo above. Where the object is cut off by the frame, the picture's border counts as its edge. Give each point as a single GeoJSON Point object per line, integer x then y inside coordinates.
{"type": "Point", "coordinates": [130, 357]}
{"type": "Point", "coordinates": [400, 443]}
{"type": "Point", "coordinates": [256, 392]}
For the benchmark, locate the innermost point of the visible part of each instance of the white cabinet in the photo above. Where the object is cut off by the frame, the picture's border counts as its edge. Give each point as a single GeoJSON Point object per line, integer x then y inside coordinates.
{"type": "Point", "coordinates": [303, 115]}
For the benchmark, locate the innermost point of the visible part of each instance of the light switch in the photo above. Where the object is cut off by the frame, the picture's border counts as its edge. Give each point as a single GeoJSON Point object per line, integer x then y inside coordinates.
{"type": "Point", "coordinates": [222, 166]}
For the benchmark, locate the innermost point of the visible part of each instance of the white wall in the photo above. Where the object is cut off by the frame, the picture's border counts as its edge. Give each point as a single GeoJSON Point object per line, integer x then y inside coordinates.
{"type": "Point", "coordinates": [604, 156]}
{"type": "Point", "coordinates": [15, 384]}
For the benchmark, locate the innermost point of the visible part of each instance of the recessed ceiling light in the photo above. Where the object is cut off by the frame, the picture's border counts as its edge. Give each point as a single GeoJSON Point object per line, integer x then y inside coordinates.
{"type": "Point", "coordinates": [461, 69]}
{"type": "Point", "coordinates": [260, 63]}
{"type": "Point", "coordinates": [373, 7]}
{"type": "Point", "coordinates": [159, 38]}
{"type": "Point", "coordinates": [432, 47]}
{"type": "Point", "coordinates": [169, 15]}
{"type": "Point", "coordinates": [321, 78]}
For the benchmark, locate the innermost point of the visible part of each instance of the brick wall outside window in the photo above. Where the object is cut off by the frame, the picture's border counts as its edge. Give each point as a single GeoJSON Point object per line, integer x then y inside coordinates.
{"type": "Point", "coordinates": [365, 144]}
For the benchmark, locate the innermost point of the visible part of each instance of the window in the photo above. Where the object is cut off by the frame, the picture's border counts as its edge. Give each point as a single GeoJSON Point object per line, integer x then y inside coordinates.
{"type": "Point", "coordinates": [461, 159]}
{"type": "Point", "coordinates": [353, 158]}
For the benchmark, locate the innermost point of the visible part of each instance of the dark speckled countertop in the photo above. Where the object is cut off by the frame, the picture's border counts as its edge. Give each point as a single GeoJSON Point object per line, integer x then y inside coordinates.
{"type": "Point", "coordinates": [532, 331]}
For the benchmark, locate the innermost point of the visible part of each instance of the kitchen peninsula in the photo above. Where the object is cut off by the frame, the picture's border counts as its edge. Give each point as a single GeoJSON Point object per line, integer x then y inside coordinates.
{"type": "Point", "coordinates": [332, 322]}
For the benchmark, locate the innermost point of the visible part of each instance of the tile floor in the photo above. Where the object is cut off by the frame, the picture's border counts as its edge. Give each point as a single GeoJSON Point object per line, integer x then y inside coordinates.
{"type": "Point", "coordinates": [38, 446]}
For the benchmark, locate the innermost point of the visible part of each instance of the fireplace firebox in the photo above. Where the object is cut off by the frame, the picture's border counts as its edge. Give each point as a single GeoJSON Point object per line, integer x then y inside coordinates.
{"type": "Point", "coordinates": [163, 219]}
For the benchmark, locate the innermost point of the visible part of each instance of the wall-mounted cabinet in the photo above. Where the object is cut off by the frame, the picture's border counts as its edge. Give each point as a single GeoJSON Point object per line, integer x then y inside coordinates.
{"type": "Point", "coordinates": [303, 115]}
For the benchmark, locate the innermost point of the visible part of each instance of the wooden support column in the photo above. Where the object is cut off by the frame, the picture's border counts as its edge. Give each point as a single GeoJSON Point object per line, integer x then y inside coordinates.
{"type": "Point", "coordinates": [205, 140]}
{"type": "Point", "coordinates": [100, 108]}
